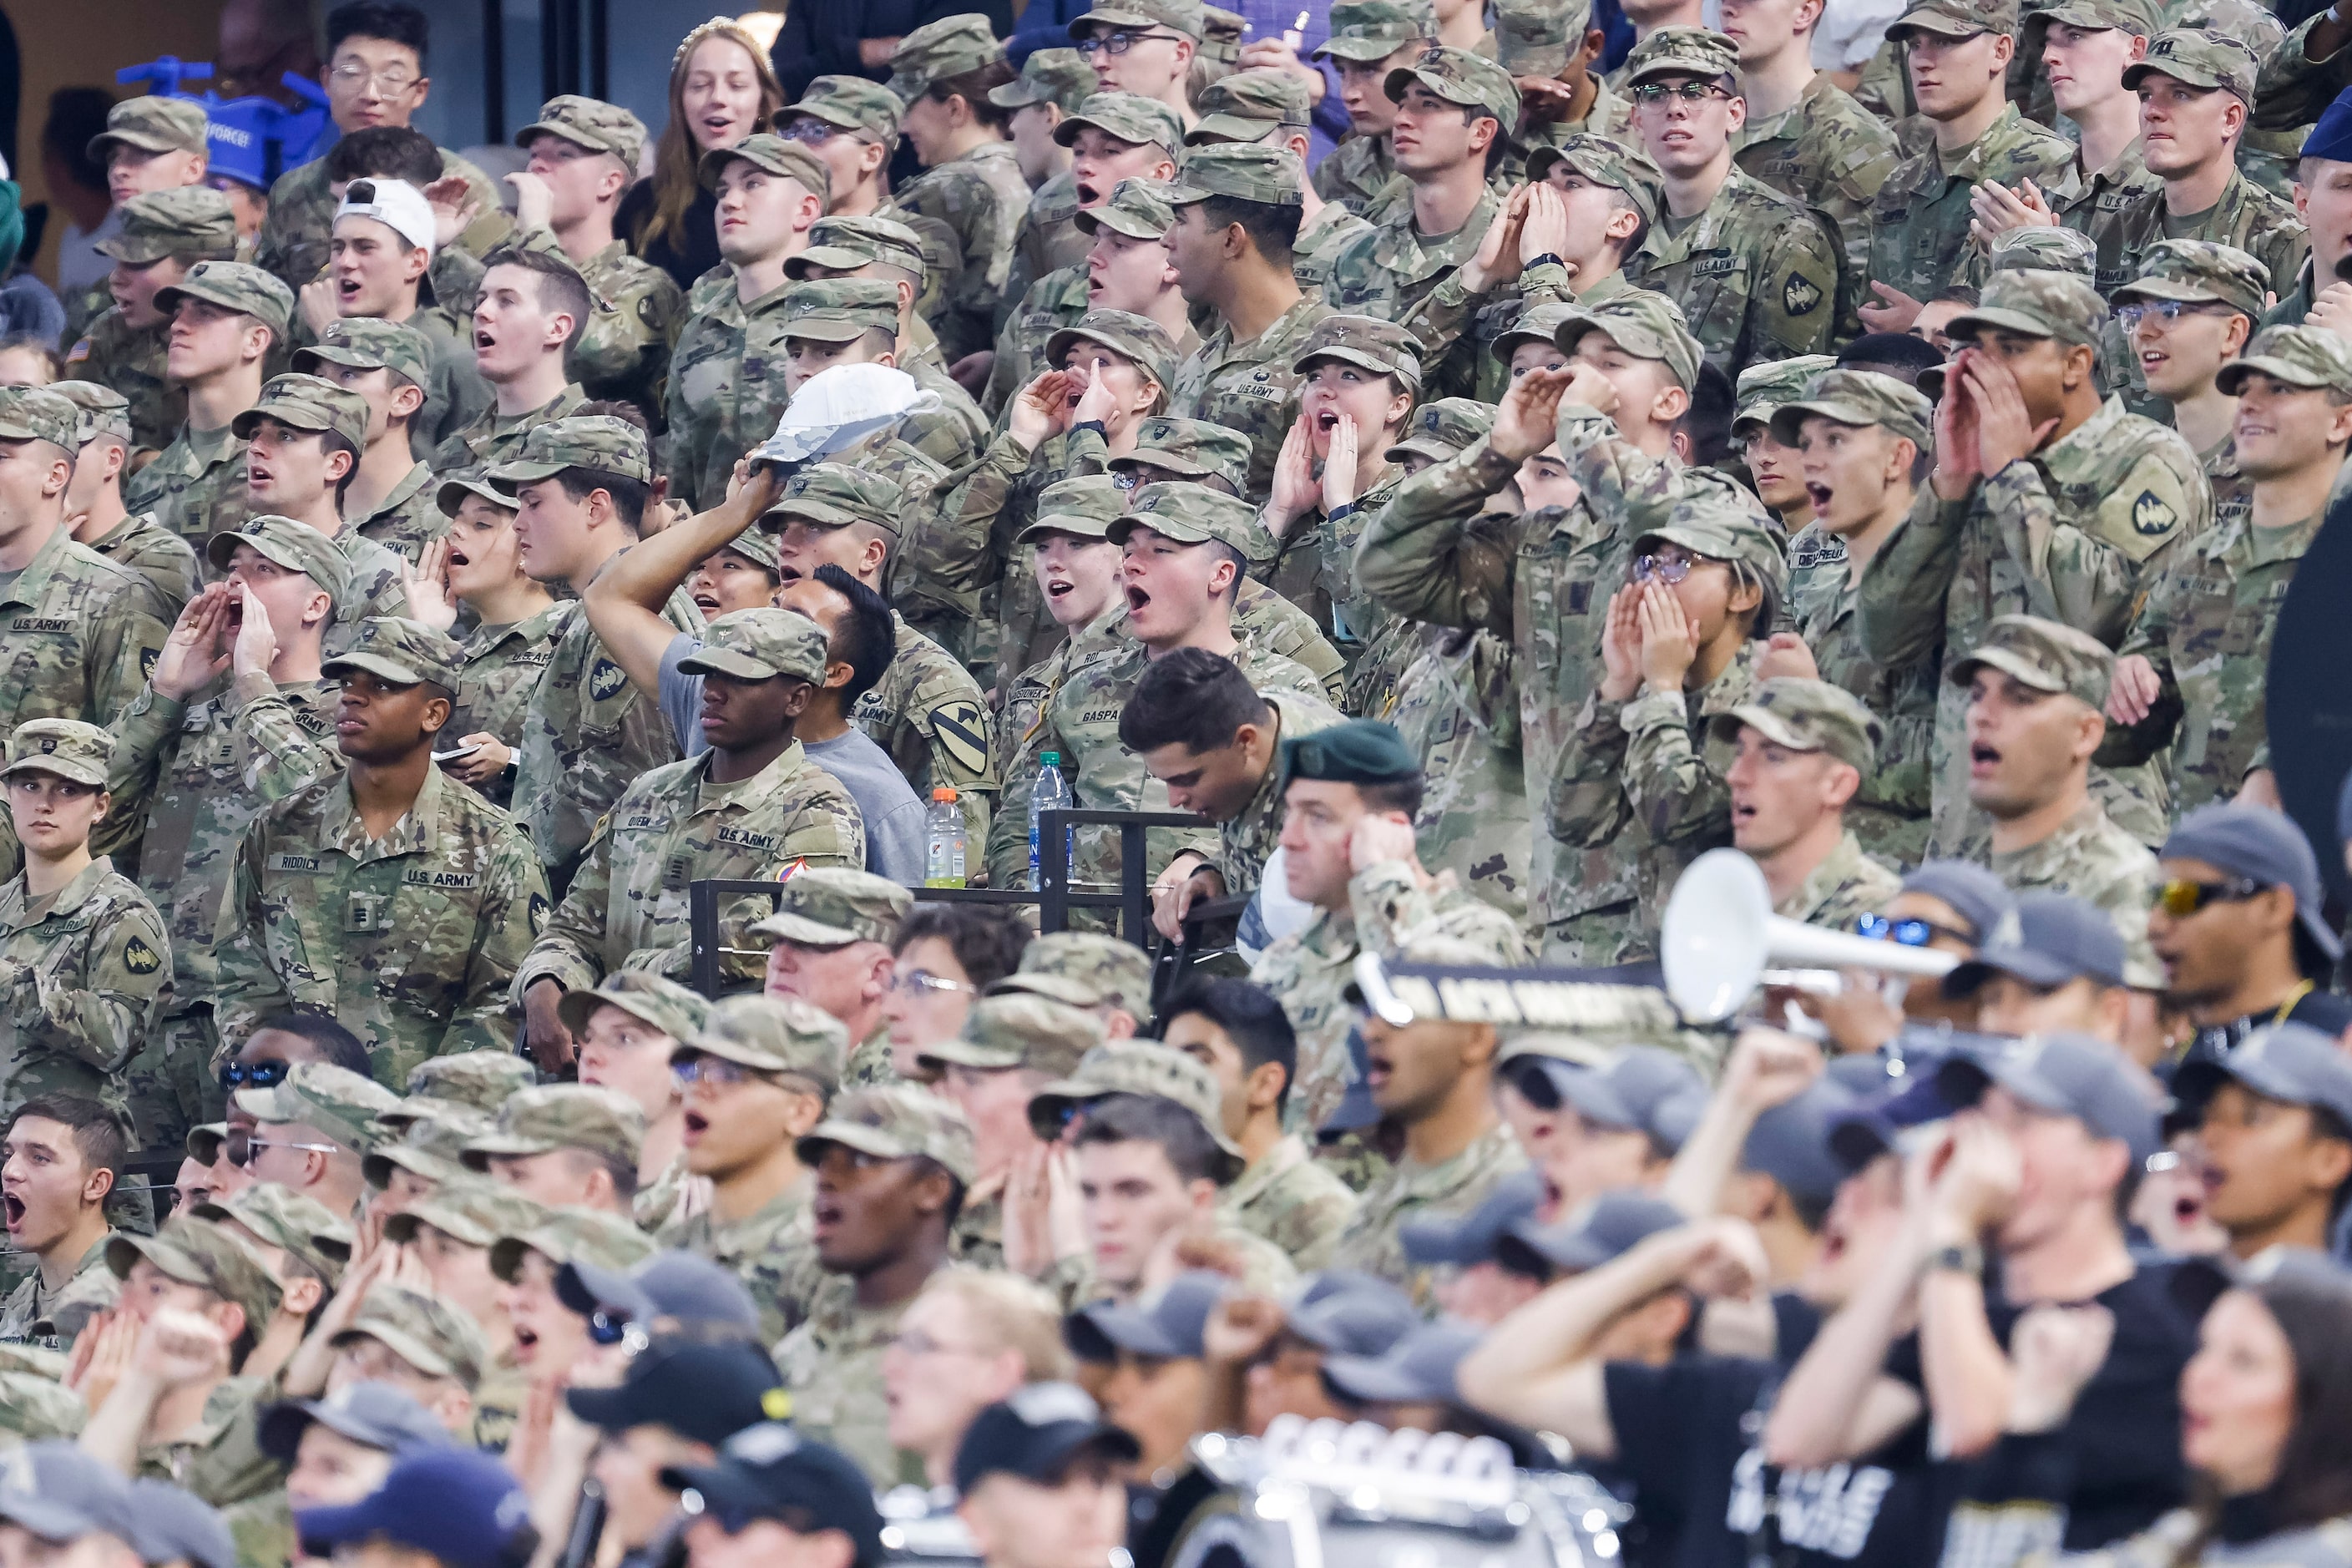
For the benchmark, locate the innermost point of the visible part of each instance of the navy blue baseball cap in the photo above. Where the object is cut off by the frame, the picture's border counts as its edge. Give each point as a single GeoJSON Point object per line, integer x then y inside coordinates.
{"type": "Point", "coordinates": [1035, 1435]}
{"type": "Point", "coordinates": [61, 1494]}
{"type": "Point", "coordinates": [460, 1505]}
{"type": "Point", "coordinates": [1344, 1312]}
{"type": "Point", "coordinates": [1600, 1232]}
{"type": "Point", "coordinates": [771, 1471]}
{"type": "Point", "coordinates": [2065, 1075]}
{"type": "Point", "coordinates": [701, 1390]}
{"type": "Point", "coordinates": [1417, 1370]}
{"type": "Point", "coordinates": [1790, 1141]}
{"type": "Point", "coordinates": [177, 1526]}
{"type": "Point", "coordinates": [1464, 1241]}
{"type": "Point", "coordinates": [1645, 1088]}
{"type": "Point", "coordinates": [374, 1414]}
{"type": "Point", "coordinates": [2294, 1064]}
{"type": "Point", "coordinates": [2331, 135]}
{"type": "Point", "coordinates": [2046, 941]}
{"type": "Point", "coordinates": [1169, 1327]}
{"type": "Point", "coordinates": [2263, 846]}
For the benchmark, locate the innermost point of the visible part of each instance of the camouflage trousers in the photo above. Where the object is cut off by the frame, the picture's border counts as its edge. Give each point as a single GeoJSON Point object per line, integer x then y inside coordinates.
{"type": "Point", "coordinates": [1599, 937]}
{"type": "Point", "coordinates": [169, 1082]}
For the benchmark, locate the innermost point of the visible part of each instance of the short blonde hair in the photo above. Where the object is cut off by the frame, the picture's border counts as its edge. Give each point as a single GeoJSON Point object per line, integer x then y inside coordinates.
{"type": "Point", "coordinates": [1006, 1312]}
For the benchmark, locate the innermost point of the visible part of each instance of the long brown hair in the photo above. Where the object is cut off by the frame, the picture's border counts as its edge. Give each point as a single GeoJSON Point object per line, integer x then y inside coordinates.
{"type": "Point", "coordinates": [677, 175]}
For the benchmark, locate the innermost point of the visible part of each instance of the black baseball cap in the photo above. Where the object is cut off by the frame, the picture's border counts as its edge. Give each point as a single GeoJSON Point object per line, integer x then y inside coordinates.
{"type": "Point", "coordinates": [2066, 1075]}
{"type": "Point", "coordinates": [2264, 846]}
{"type": "Point", "coordinates": [1036, 1434]}
{"type": "Point", "coordinates": [707, 1392]}
{"type": "Point", "coordinates": [1346, 1312]}
{"type": "Point", "coordinates": [1169, 1327]}
{"type": "Point", "coordinates": [1418, 1369]}
{"type": "Point", "coordinates": [1464, 1241]}
{"type": "Point", "coordinates": [1600, 1232]}
{"type": "Point", "coordinates": [769, 1471]}
{"type": "Point", "coordinates": [2294, 1064]}
{"type": "Point", "coordinates": [2046, 941]}
{"type": "Point", "coordinates": [683, 1286]}
{"type": "Point", "coordinates": [376, 1415]}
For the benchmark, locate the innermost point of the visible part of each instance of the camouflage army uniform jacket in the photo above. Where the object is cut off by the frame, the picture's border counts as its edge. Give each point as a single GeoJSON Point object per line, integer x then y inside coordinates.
{"type": "Point", "coordinates": [379, 587]}
{"type": "Point", "coordinates": [2075, 533]}
{"type": "Point", "coordinates": [1249, 387]}
{"type": "Point", "coordinates": [1846, 885]}
{"type": "Point", "coordinates": [1374, 1240]}
{"type": "Point", "coordinates": [1755, 273]}
{"type": "Point", "coordinates": [725, 385]}
{"type": "Point", "coordinates": [967, 212]}
{"type": "Point", "coordinates": [1830, 153]}
{"type": "Point", "coordinates": [1308, 972]}
{"type": "Point", "coordinates": [2247, 216]}
{"type": "Point", "coordinates": [1314, 565]}
{"type": "Point", "coordinates": [503, 669]}
{"type": "Point", "coordinates": [1390, 271]}
{"type": "Point", "coordinates": [624, 350]}
{"type": "Point", "coordinates": [627, 907]}
{"type": "Point", "coordinates": [81, 635]}
{"type": "Point", "coordinates": [1290, 1200]}
{"type": "Point", "coordinates": [1457, 329]}
{"type": "Point", "coordinates": [1457, 704]}
{"type": "Point", "coordinates": [1024, 724]}
{"type": "Point", "coordinates": [81, 982]}
{"type": "Point", "coordinates": [262, 1529]}
{"type": "Point", "coordinates": [1050, 239]}
{"type": "Point", "coordinates": [1245, 843]}
{"type": "Point", "coordinates": [1272, 623]}
{"type": "Point", "coordinates": [29, 1303]}
{"type": "Point", "coordinates": [404, 520]}
{"type": "Point", "coordinates": [294, 236]}
{"type": "Point", "coordinates": [409, 940]}
{"type": "Point", "coordinates": [131, 360]}
{"type": "Point", "coordinates": [1320, 239]}
{"type": "Point", "coordinates": [1355, 173]}
{"type": "Point", "coordinates": [496, 437]}
{"type": "Point", "coordinates": [773, 1250]}
{"type": "Point", "coordinates": [2096, 212]}
{"type": "Point", "coordinates": [1053, 301]}
{"type": "Point", "coordinates": [145, 545]}
{"type": "Point", "coordinates": [2091, 858]}
{"type": "Point", "coordinates": [588, 733]}
{"type": "Point", "coordinates": [926, 711]}
{"type": "Point", "coordinates": [196, 486]}
{"type": "Point", "coordinates": [832, 1365]}
{"type": "Point", "coordinates": [1919, 222]}
{"type": "Point", "coordinates": [957, 568]}
{"type": "Point", "coordinates": [1889, 814]}
{"type": "Point", "coordinates": [219, 1459]}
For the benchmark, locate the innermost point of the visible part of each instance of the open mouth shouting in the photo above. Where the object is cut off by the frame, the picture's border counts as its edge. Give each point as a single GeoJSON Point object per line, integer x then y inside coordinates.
{"type": "Point", "coordinates": [1984, 758]}
{"type": "Point", "coordinates": [1818, 494]}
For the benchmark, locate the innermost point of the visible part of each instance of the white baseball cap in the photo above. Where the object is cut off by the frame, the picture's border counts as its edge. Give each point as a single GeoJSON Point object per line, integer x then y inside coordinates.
{"type": "Point", "coordinates": [395, 204]}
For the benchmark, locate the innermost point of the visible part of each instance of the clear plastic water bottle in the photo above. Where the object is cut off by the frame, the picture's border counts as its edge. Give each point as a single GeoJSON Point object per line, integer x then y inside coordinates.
{"type": "Point", "coordinates": [1050, 793]}
{"type": "Point", "coordinates": [944, 841]}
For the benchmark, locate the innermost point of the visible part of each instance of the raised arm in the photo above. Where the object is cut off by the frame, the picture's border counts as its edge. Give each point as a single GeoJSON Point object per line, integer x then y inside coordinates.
{"type": "Point", "coordinates": [625, 603]}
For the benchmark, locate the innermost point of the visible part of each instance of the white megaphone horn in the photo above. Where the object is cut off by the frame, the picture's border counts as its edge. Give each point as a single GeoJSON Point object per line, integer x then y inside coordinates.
{"type": "Point", "coordinates": [1721, 938]}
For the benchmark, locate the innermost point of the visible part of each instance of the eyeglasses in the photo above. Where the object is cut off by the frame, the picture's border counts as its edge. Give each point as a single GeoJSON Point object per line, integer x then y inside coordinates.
{"type": "Point", "coordinates": [1117, 41]}
{"type": "Point", "coordinates": [914, 1342]}
{"type": "Point", "coordinates": [717, 1072]}
{"type": "Point", "coordinates": [356, 73]}
{"type": "Point", "coordinates": [2164, 310]}
{"type": "Point", "coordinates": [1907, 933]}
{"type": "Point", "coordinates": [815, 132]}
{"type": "Point", "coordinates": [2181, 897]}
{"type": "Point", "coordinates": [252, 1075]}
{"type": "Point", "coordinates": [254, 1146]}
{"type": "Point", "coordinates": [918, 981]}
{"type": "Point", "coordinates": [1663, 566]}
{"type": "Point", "coordinates": [1688, 91]}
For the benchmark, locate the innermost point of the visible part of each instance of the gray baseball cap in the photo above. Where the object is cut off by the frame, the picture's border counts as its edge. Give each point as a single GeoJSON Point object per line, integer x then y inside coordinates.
{"type": "Point", "coordinates": [2294, 1064]}
{"type": "Point", "coordinates": [2064, 1074]}
{"type": "Point", "coordinates": [1602, 1231]}
{"type": "Point", "coordinates": [2046, 940]}
{"type": "Point", "coordinates": [2263, 846]}
{"type": "Point", "coordinates": [1646, 1087]}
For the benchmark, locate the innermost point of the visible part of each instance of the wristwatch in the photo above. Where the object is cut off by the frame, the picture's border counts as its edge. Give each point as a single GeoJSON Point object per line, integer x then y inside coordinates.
{"type": "Point", "coordinates": [1552, 259]}
{"type": "Point", "coordinates": [1967, 1257]}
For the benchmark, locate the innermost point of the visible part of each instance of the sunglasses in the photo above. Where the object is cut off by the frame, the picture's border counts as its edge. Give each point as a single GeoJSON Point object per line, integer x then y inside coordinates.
{"type": "Point", "coordinates": [1906, 932]}
{"type": "Point", "coordinates": [252, 1075]}
{"type": "Point", "coordinates": [2181, 897]}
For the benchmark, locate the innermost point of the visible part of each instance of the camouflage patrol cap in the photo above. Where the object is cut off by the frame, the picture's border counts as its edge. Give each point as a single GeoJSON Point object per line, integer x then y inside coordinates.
{"type": "Point", "coordinates": [2299, 356]}
{"type": "Point", "coordinates": [289, 1221]}
{"type": "Point", "coordinates": [1457, 75]}
{"type": "Point", "coordinates": [68, 747]}
{"type": "Point", "coordinates": [1644, 324]}
{"type": "Point", "coordinates": [1367, 342]}
{"type": "Point", "coordinates": [573, 1235]}
{"type": "Point", "coordinates": [1190, 448]}
{"type": "Point", "coordinates": [1139, 339]}
{"type": "Point", "coordinates": [103, 411]}
{"type": "Point", "coordinates": [425, 1138]}
{"type": "Point", "coordinates": [948, 46]}
{"type": "Point", "coordinates": [1048, 76]}
{"type": "Point", "coordinates": [184, 221]}
{"type": "Point", "coordinates": [1134, 1066]}
{"type": "Point", "coordinates": [1084, 969]}
{"type": "Point", "coordinates": [589, 122]}
{"type": "Point", "coordinates": [598, 441]}
{"type": "Point", "coordinates": [1128, 116]}
{"type": "Point", "coordinates": [1444, 429]}
{"type": "Point", "coordinates": [84, 1296]}
{"type": "Point", "coordinates": [835, 495]}
{"type": "Point", "coordinates": [760, 644]}
{"type": "Point", "coordinates": [37, 1407]}
{"type": "Point", "coordinates": [1086, 506]}
{"type": "Point", "coordinates": [1275, 176]}
{"type": "Point", "coordinates": [152, 124]}
{"type": "Point", "coordinates": [481, 1080]}
{"type": "Point", "coordinates": [831, 906]}
{"type": "Point", "coordinates": [1183, 16]}
{"type": "Point", "coordinates": [2041, 248]}
{"type": "Point", "coordinates": [850, 104]}
{"type": "Point", "coordinates": [1802, 716]}
{"type": "Point", "coordinates": [1368, 30]}
{"type": "Point", "coordinates": [2198, 57]}
{"type": "Point", "coordinates": [839, 310]}
{"type": "Point", "coordinates": [900, 1122]}
{"type": "Point", "coordinates": [436, 1339]}
{"type": "Point", "coordinates": [1716, 517]}
{"type": "Point", "coordinates": [296, 546]}
{"type": "Point", "coordinates": [1954, 19]}
{"type": "Point", "coordinates": [1765, 387]}
{"type": "Point", "coordinates": [2136, 18]}
{"type": "Point", "coordinates": [2036, 304]}
{"type": "Point", "coordinates": [1221, 35]}
{"type": "Point", "coordinates": [404, 652]}
{"type": "Point", "coordinates": [233, 286]}
{"type": "Point", "coordinates": [2043, 656]}
{"type": "Point", "coordinates": [548, 1117]}
{"type": "Point", "coordinates": [204, 1141]}
{"type": "Point", "coordinates": [34, 1360]}
{"type": "Point", "coordinates": [1247, 104]}
{"type": "Point", "coordinates": [1683, 51]}
{"type": "Point", "coordinates": [1537, 37]}
{"type": "Point", "coordinates": [470, 1210]}
{"type": "Point", "coordinates": [772, 1035]}
{"type": "Point", "coordinates": [845, 243]}
{"type": "Point", "coordinates": [369, 342]}
{"type": "Point", "coordinates": [1138, 209]}
{"type": "Point", "coordinates": [38, 413]}
{"type": "Point", "coordinates": [2200, 272]}
{"type": "Point", "coordinates": [336, 1101]}
{"type": "Point", "coordinates": [307, 403]}
{"type": "Point", "coordinates": [653, 1000]}
{"type": "Point", "coordinates": [1192, 514]}
{"type": "Point", "coordinates": [790, 159]}
{"type": "Point", "coordinates": [1858, 397]}
{"type": "Point", "coordinates": [1604, 163]}
{"type": "Point", "coordinates": [204, 1254]}
{"type": "Point", "coordinates": [1016, 1030]}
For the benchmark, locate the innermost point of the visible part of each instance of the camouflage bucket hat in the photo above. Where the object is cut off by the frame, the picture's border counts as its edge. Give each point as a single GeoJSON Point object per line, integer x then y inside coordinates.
{"type": "Point", "coordinates": [233, 286]}
{"type": "Point", "coordinates": [336, 1101]}
{"type": "Point", "coordinates": [307, 403]}
{"type": "Point", "coordinates": [789, 160]}
{"type": "Point", "coordinates": [1367, 30]}
{"type": "Point", "coordinates": [1366, 342]}
{"type": "Point", "coordinates": [288, 1221]}
{"type": "Point", "coordinates": [1137, 339]}
{"type": "Point", "coordinates": [2042, 655]}
{"type": "Point", "coordinates": [901, 1123]}
{"type": "Point", "coordinates": [471, 1210]}
{"type": "Point", "coordinates": [1092, 970]}
{"type": "Point", "coordinates": [1604, 163]}
{"type": "Point", "coordinates": [1273, 176]}
{"type": "Point", "coordinates": [828, 906]}
{"type": "Point", "coordinates": [1192, 514]}
{"type": "Point", "coordinates": [653, 1000]}
{"type": "Point", "coordinates": [103, 411]}
{"type": "Point", "coordinates": [2200, 56]}
{"type": "Point", "coordinates": [772, 1035]}
{"type": "Point", "coordinates": [574, 1235]}
{"type": "Point", "coordinates": [1131, 117]}
{"type": "Point", "coordinates": [589, 122]}
{"type": "Point", "coordinates": [2199, 272]}
{"type": "Point", "coordinates": [38, 413]}
{"type": "Point", "coordinates": [1140, 209]}
{"type": "Point", "coordinates": [1134, 1067]}
{"type": "Point", "coordinates": [760, 644]}
{"type": "Point", "coordinates": [948, 46]}
{"type": "Point", "coordinates": [2036, 304]}
{"type": "Point", "coordinates": [404, 652]}
{"type": "Point", "coordinates": [201, 1253]}
{"type": "Point", "coordinates": [1190, 448]}
{"type": "Point", "coordinates": [2134, 16]}
{"type": "Point", "coordinates": [1956, 19]}
{"type": "Point", "coordinates": [1444, 429]}
{"type": "Point", "coordinates": [188, 220]}
{"type": "Point", "coordinates": [839, 310]}
{"type": "Point", "coordinates": [851, 103]}
{"type": "Point", "coordinates": [1646, 325]}
{"type": "Point", "coordinates": [1185, 17]}
{"type": "Point", "coordinates": [1716, 518]}
{"type": "Point", "coordinates": [1086, 506]}
{"type": "Point", "coordinates": [598, 441]}
{"type": "Point", "coordinates": [2040, 248]}
{"type": "Point", "coordinates": [296, 546]}
{"type": "Point", "coordinates": [367, 343]}
{"type": "Point", "coordinates": [1015, 1030]}
{"type": "Point", "coordinates": [845, 244]}
{"type": "Point", "coordinates": [1803, 716]}
{"type": "Point", "coordinates": [437, 1340]}
{"type": "Point", "coordinates": [1534, 39]}
{"type": "Point", "coordinates": [835, 495]}
{"type": "Point", "coordinates": [479, 1080]}
{"type": "Point", "coordinates": [548, 1117]}
{"type": "Point", "coordinates": [67, 748]}
{"type": "Point", "coordinates": [1682, 51]}
{"type": "Point", "coordinates": [1247, 104]}
{"type": "Point", "coordinates": [152, 125]}
{"type": "Point", "coordinates": [1457, 75]}
{"type": "Point", "coordinates": [2299, 356]}
{"type": "Point", "coordinates": [1048, 76]}
{"type": "Point", "coordinates": [1858, 397]}
{"type": "Point", "coordinates": [1765, 387]}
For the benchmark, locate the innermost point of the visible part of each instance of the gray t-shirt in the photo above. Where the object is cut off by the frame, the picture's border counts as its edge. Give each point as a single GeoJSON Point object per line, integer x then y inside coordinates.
{"type": "Point", "coordinates": [894, 816]}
